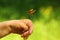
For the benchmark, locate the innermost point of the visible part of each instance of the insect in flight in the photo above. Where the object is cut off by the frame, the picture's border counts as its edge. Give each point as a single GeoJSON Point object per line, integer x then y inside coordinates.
{"type": "Point", "coordinates": [31, 11]}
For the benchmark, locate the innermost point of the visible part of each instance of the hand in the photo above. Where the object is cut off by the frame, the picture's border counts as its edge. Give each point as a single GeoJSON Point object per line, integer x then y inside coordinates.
{"type": "Point", "coordinates": [23, 27]}
{"type": "Point", "coordinates": [30, 28]}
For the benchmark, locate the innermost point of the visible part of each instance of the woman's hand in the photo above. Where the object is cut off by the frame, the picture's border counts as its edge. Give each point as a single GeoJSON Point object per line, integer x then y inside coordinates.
{"type": "Point", "coordinates": [30, 28]}
{"type": "Point", "coordinates": [24, 27]}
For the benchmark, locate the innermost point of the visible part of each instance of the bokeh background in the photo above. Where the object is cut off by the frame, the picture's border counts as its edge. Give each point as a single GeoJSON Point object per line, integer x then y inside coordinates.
{"type": "Point", "coordinates": [46, 18]}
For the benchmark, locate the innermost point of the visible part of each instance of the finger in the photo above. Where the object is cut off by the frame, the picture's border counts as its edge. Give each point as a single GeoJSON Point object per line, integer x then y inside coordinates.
{"type": "Point", "coordinates": [25, 38]}
{"type": "Point", "coordinates": [29, 24]}
{"type": "Point", "coordinates": [24, 26]}
{"type": "Point", "coordinates": [25, 34]}
{"type": "Point", "coordinates": [30, 27]}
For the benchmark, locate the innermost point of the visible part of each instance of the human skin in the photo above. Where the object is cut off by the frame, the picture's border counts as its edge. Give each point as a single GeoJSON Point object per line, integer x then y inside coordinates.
{"type": "Point", "coordinates": [24, 27]}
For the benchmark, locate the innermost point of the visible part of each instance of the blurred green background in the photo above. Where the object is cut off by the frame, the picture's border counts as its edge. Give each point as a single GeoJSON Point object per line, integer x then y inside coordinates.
{"type": "Point", "coordinates": [46, 18]}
